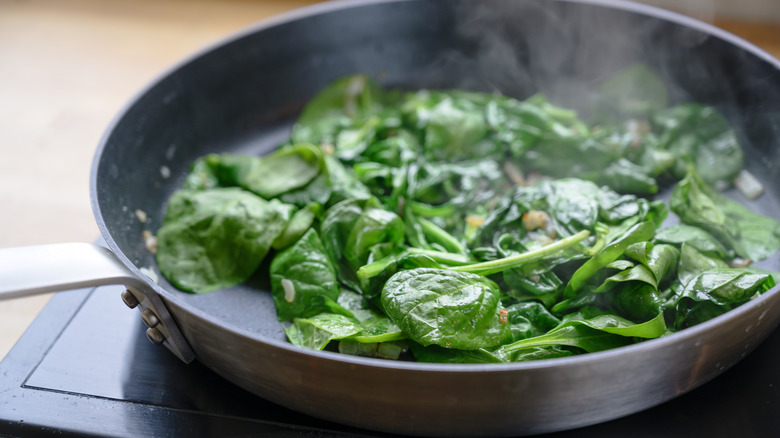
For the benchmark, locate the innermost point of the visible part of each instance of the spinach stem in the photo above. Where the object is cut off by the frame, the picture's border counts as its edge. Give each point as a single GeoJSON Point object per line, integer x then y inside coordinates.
{"type": "Point", "coordinates": [435, 233]}
{"type": "Point", "coordinates": [493, 266]}
{"type": "Point", "coordinates": [426, 210]}
{"type": "Point", "coordinates": [445, 258]}
{"type": "Point", "coordinates": [372, 269]}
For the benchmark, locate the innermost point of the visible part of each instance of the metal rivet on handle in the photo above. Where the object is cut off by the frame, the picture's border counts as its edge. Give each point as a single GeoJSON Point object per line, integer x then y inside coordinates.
{"type": "Point", "coordinates": [130, 300]}
{"type": "Point", "coordinates": [149, 317]}
{"type": "Point", "coordinates": [155, 335]}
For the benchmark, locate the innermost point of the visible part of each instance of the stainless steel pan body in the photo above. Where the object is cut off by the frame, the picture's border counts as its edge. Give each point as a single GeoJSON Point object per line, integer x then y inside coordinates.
{"type": "Point", "coordinates": [243, 95]}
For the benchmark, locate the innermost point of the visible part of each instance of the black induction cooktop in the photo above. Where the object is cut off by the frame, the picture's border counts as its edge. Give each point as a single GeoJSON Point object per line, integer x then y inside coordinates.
{"type": "Point", "coordinates": [86, 368]}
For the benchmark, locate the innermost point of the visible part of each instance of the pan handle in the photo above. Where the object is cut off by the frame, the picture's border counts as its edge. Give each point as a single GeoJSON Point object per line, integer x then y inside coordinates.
{"type": "Point", "coordinates": [33, 270]}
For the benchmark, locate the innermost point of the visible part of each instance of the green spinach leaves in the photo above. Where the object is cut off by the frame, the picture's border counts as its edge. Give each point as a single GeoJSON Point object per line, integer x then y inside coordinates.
{"type": "Point", "coordinates": [464, 227]}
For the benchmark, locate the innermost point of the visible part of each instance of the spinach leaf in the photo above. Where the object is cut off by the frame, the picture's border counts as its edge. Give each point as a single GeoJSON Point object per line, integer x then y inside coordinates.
{"type": "Point", "coordinates": [715, 292]}
{"type": "Point", "coordinates": [316, 191]}
{"type": "Point", "coordinates": [212, 239]}
{"type": "Point", "coordinates": [635, 292]}
{"type": "Point", "coordinates": [693, 236]}
{"type": "Point", "coordinates": [439, 236]}
{"type": "Point", "coordinates": [351, 142]}
{"type": "Point", "coordinates": [289, 168]}
{"type": "Point", "coordinates": [334, 184]}
{"type": "Point", "coordinates": [361, 330]}
{"type": "Point", "coordinates": [517, 125]}
{"type": "Point", "coordinates": [694, 263]}
{"type": "Point", "coordinates": [699, 134]}
{"type": "Point", "coordinates": [303, 280]}
{"type": "Point", "coordinates": [758, 235]}
{"type": "Point", "coordinates": [376, 327]}
{"type": "Point", "coordinates": [660, 260]}
{"type": "Point", "coordinates": [611, 252]}
{"type": "Point", "coordinates": [639, 273]}
{"type": "Point", "coordinates": [334, 107]}
{"type": "Point", "coordinates": [693, 204]}
{"type": "Point", "coordinates": [203, 174]}
{"type": "Point", "coordinates": [375, 229]}
{"type": "Point", "coordinates": [317, 331]}
{"type": "Point", "coordinates": [343, 184]}
{"type": "Point", "coordinates": [624, 176]}
{"type": "Point", "coordinates": [397, 147]}
{"type": "Point", "coordinates": [336, 226]}
{"type": "Point", "coordinates": [599, 333]}
{"type": "Point", "coordinates": [456, 186]}
{"type": "Point", "coordinates": [529, 319]}
{"type": "Point", "coordinates": [573, 204]}
{"type": "Point", "coordinates": [453, 124]}
{"type": "Point", "coordinates": [573, 150]}
{"type": "Point", "coordinates": [450, 309]}
{"type": "Point", "coordinates": [356, 230]}
{"type": "Point", "coordinates": [299, 223]}
{"type": "Point", "coordinates": [748, 234]}
{"type": "Point", "coordinates": [546, 288]}
{"type": "Point", "coordinates": [570, 155]}
{"type": "Point", "coordinates": [286, 169]}
{"type": "Point", "coordinates": [639, 301]}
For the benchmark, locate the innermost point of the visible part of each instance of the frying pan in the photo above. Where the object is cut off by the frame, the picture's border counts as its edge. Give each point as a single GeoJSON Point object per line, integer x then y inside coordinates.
{"type": "Point", "coordinates": [243, 94]}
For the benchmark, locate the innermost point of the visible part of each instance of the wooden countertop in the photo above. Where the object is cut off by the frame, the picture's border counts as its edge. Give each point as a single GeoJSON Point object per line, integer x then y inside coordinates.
{"type": "Point", "coordinates": [67, 66]}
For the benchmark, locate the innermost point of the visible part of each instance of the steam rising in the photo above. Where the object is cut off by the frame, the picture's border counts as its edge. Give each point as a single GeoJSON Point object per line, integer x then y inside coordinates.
{"type": "Point", "coordinates": [561, 49]}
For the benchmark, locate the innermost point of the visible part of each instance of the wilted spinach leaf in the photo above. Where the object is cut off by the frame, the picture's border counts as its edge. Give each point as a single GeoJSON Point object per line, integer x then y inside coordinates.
{"type": "Point", "coordinates": [445, 308]}
{"type": "Point", "coordinates": [317, 331]}
{"type": "Point", "coordinates": [640, 232]}
{"type": "Point", "coordinates": [300, 222]}
{"type": "Point", "coordinates": [715, 292]}
{"type": "Point", "coordinates": [336, 226]}
{"type": "Point", "coordinates": [602, 332]}
{"type": "Point", "coordinates": [694, 263]}
{"type": "Point", "coordinates": [375, 229]}
{"type": "Point", "coordinates": [693, 236]}
{"type": "Point", "coordinates": [285, 170]}
{"type": "Point", "coordinates": [699, 134]}
{"type": "Point", "coordinates": [303, 280]}
{"type": "Point", "coordinates": [748, 234]}
{"type": "Point", "coordinates": [453, 124]}
{"type": "Point", "coordinates": [213, 239]}
{"type": "Point", "coordinates": [376, 327]}
{"type": "Point", "coordinates": [334, 107]}
{"type": "Point", "coordinates": [528, 319]}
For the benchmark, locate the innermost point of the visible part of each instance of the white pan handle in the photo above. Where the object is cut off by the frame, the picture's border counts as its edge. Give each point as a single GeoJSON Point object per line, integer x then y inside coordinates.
{"type": "Point", "coordinates": [40, 269]}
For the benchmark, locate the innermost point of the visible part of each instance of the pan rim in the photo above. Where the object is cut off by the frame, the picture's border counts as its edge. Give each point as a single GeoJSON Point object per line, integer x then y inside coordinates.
{"type": "Point", "coordinates": [337, 5]}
